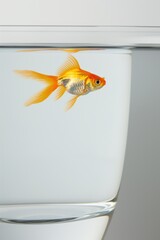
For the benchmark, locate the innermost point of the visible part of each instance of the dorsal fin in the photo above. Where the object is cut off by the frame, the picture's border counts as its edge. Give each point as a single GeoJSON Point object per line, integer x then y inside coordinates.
{"type": "Point", "coordinates": [70, 63]}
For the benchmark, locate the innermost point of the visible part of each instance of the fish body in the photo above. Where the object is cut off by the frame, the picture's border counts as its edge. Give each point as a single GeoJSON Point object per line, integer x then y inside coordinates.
{"type": "Point", "coordinates": [73, 81]}
{"type": "Point", "coordinates": [71, 78]}
{"type": "Point", "coordinates": [76, 82]}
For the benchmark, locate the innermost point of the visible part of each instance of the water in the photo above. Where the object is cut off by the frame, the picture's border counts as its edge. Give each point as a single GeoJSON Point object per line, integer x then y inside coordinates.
{"type": "Point", "coordinates": [50, 159]}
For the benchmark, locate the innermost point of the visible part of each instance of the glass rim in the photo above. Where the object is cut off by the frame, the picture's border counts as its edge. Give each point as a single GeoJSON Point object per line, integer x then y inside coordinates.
{"type": "Point", "coordinates": [80, 36]}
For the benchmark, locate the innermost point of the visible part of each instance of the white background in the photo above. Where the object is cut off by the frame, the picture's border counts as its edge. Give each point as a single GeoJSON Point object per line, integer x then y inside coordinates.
{"type": "Point", "coordinates": [74, 12]}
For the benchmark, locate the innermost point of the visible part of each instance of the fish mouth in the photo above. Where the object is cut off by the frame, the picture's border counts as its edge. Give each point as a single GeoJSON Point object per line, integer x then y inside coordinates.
{"type": "Point", "coordinates": [104, 81]}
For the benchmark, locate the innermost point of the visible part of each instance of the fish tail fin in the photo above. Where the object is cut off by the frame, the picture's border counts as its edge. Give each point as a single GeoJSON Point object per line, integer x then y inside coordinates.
{"type": "Point", "coordinates": [51, 81]}
{"type": "Point", "coordinates": [40, 96]}
{"type": "Point", "coordinates": [38, 76]}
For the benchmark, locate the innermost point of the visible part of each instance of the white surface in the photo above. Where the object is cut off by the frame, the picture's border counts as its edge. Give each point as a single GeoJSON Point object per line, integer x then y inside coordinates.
{"type": "Point", "coordinates": [82, 12]}
{"type": "Point", "coordinates": [49, 155]}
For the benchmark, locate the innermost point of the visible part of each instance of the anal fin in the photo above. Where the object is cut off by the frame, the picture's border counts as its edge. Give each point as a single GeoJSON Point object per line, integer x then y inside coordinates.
{"type": "Point", "coordinates": [60, 91]}
{"type": "Point", "coordinates": [71, 103]}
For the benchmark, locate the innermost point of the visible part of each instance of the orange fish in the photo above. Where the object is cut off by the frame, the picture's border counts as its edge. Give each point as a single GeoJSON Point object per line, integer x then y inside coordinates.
{"type": "Point", "coordinates": [70, 78]}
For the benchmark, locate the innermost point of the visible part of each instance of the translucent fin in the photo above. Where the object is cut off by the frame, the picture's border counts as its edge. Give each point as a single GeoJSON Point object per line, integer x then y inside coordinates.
{"type": "Point", "coordinates": [71, 50]}
{"type": "Point", "coordinates": [41, 96]}
{"type": "Point", "coordinates": [68, 50]}
{"type": "Point", "coordinates": [60, 91]}
{"type": "Point", "coordinates": [71, 103]}
{"type": "Point", "coordinates": [38, 76]}
{"type": "Point", "coordinates": [34, 50]}
{"type": "Point", "coordinates": [70, 63]}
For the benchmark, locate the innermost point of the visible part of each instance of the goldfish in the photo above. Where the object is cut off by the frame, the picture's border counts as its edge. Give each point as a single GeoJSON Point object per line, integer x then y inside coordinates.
{"type": "Point", "coordinates": [70, 78]}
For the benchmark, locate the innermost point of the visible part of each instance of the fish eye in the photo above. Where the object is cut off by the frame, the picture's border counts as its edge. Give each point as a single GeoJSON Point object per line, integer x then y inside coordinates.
{"type": "Point", "coordinates": [97, 82]}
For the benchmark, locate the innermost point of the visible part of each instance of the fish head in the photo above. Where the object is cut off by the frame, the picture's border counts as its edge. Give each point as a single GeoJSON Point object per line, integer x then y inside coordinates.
{"type": "Point", "coordinates": [98, 82]}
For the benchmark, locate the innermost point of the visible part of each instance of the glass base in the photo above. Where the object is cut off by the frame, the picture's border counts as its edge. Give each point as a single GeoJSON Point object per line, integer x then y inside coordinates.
{"type": "Point", "coordinates": [88, 229]}
{"type": "Point", "coordinates": [69, 221]}
{"type": "Point", "coordinates": [53, 213]}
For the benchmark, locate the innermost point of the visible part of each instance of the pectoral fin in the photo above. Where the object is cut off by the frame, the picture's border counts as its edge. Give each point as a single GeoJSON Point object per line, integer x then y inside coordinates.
{"type": "Point", "coordinates": [71, 103]}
